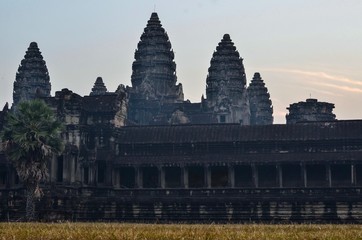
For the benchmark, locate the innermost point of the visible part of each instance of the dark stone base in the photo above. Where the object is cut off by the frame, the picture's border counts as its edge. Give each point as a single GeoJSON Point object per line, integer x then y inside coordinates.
{"type": "Point", "coordinates": [342, 205]}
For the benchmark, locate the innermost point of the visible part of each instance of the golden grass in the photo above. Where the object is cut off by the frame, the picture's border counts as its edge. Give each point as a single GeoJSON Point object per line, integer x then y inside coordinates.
{"type": "Point", "coordinates": [175, 231]}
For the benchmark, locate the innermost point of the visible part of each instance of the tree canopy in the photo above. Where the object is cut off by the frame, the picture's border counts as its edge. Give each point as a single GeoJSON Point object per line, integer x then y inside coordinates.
{"type": "Point", "coordinates": [31, 136]}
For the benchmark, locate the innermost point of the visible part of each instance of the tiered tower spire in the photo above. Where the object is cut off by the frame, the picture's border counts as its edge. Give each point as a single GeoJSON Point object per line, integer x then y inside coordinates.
{"type": "Point", "coordinates": [225, 84]}
{"type": "Point", "coordinates": [154, 69]}
{"type": "Point", "coordinates": [261, 109]}
{"type": "Point", "coordinates": [99, 88]}
{"type": "Point", "coordinates": [32, 78]}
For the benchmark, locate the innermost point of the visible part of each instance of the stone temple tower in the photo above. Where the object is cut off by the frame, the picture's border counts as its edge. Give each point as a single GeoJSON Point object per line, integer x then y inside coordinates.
{"type": "Point", "coordinates": [154, 70]}
{"type": "Point", "coordinates": [153, 75]}
{"type": "Point", "coordinates": [261, 109]}
{"type": "Point", "coordinates": [226, 93]}
{"type": "Point", "coordinates": [310, 111]}
{"type": "Point", "coordinates": [99, 88]}
{"type": "Point", "coordinates": [32, 78]}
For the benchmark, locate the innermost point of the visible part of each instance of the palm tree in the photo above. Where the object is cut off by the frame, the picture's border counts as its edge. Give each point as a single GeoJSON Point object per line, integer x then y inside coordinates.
{"type": "Point", "coordinates": [31, 136]}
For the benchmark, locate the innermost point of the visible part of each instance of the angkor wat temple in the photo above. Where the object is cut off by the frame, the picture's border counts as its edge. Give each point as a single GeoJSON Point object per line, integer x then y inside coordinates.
{"type": "Point", "coordinates": [143, 153]}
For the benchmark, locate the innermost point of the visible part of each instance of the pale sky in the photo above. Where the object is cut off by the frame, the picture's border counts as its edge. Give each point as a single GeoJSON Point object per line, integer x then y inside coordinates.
{"type": "Point", "coordinates": [302, 48]}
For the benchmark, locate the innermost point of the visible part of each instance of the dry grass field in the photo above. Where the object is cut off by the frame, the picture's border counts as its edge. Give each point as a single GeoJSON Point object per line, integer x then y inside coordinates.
{"type": "Point", "coordinates": [175, 231]}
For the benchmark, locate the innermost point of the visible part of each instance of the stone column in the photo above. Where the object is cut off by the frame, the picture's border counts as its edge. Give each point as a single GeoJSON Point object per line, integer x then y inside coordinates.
{"type": "Point", "coordinates": [231, 176]}
{"type": "Point", "coordinates": [138, 177]}
{"type": "Point", "coordinates": [108, 177]}
{"type": "Point", "coordinates": [11, 178]}
{"type": "Point", "coordinates": [329, 175]}
{"type": "Point", "coordinates": [113, 177]}
{"type": "Point", "coordinates": [78, 171]}
{"type": "Point", "coordinates": [86, 170]}
{"type": "Point", "coordinates": [207, 174]}
{"type": "Point", "coordinates": [280, 175]}
{"type": "Point", "coordinates": [353, 175]}
{"type": "Point", "coordinates": [255, 175]}
{"type": "Point", "coordinates": [72, 169]}
{"type": "Point", "coordinates": [82, 176]}
{"type": "Point", "coordinates": [92, 175]}
{"type": "Point", "coordinates": [53, 169]}
{"type": "Point", "coordinates": [184, 177]}
{"type": "Point", "coordinates": [304, 175]}
{"type": "Point", "coordinates": [116, 177]}
{"type": "Point", "coordinates": [8, 177]}
{"type": "Point", "coordinates": [66, 162]}
{"type": "Point", "coordinates": [161, 177]}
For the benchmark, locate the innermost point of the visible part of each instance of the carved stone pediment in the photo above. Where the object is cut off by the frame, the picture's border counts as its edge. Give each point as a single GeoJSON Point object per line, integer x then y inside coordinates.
{"type": "Point", "coordinates": [224, 106]}
{"type": "Point", "coordinates": [179, 117]}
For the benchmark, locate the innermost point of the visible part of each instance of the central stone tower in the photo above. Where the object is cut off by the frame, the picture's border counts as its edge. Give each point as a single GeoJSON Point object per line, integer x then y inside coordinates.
{"type": "Point", "coordinates": [226, 91]}
{"type": "Point", "coordinates": [154, 70]}
{"type": "Point", "coordinates": [153, 74]}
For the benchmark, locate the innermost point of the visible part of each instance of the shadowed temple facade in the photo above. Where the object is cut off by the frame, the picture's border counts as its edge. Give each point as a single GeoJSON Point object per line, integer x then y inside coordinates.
{"type": "Point", "coordinates": [144, 153]}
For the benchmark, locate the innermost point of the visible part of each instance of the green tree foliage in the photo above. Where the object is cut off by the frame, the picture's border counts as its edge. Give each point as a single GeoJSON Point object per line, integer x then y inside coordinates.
{"type": "Point", "coordinates": [31, 136]}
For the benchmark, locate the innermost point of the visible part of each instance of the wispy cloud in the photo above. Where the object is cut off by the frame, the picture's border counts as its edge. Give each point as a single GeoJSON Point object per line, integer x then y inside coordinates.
{"type": "Point", "coordinates": [349, 85]}
{"type": "Point", "coordinates": [339, 87]}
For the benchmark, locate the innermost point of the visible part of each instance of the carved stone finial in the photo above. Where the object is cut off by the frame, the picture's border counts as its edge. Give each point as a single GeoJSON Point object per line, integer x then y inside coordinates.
{"type": "Point", "coordinates": [33, 45]}
{"type": "Point", "coordinates": [226, 37]}
{"type": "Point", "coordinates": [257, 76]}
{"type": "Point", "coordinates": [154, 21]}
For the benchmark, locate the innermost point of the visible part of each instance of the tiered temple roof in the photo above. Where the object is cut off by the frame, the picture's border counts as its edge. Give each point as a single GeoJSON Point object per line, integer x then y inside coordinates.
{"type": "Point", "coordinates": [261, 110]}
{"type": "Point", "coordinates": [234, 133]}
{"type": "Point", "coordinates": [32, 78]}
{"type": "Point", "coordinates": [154, 69]}
{"type": "Point", "coordinates": [225, 83]}
{"type": "Point", "coordinates": [226, 71]}
{"type": "Point", "coordinates": [99, 88]}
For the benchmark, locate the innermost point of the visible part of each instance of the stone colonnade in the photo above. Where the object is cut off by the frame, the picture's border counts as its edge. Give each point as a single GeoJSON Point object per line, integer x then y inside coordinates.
{"type": "Point", "coordinates": [237, 176]}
